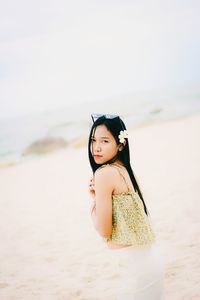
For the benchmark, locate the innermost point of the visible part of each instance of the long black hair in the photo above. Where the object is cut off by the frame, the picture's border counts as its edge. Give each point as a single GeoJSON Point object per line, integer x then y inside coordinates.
{"type": "Point", "coordinates": [115, 125]}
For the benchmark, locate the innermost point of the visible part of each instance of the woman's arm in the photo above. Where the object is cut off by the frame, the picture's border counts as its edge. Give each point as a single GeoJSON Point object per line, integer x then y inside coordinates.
{"type": "Point", "coordinates": [94, 219]}
{"type": "Point", "coordinates": [93, 214]}
{"type": "Point", "coordinates": [101, 211]}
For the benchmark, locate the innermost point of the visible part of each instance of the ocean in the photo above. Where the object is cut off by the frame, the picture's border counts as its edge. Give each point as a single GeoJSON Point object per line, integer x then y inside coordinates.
{"type": "Point", "coordinates": [73, 122]}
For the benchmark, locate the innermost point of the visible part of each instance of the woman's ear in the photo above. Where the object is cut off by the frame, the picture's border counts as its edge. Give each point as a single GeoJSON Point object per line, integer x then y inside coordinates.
{"type": "Point", "coordinates": [121, 146]}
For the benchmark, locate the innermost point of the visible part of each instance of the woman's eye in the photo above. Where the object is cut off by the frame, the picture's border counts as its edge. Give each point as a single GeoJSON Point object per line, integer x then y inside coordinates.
{"type": "Point", "coordinates": [93, 140]}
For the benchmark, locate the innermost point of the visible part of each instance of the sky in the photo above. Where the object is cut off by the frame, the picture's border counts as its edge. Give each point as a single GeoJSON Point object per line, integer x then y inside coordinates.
{"type": "Point", "coordinates": [55, 53]}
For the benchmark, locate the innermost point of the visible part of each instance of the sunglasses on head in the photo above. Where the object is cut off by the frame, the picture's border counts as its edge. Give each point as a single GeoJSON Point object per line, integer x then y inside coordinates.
{"type": "Point", "coordinates": [107, 116]}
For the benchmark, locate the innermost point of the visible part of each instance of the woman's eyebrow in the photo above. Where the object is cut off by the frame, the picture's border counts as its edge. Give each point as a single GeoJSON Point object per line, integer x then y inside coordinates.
{"type": "Point", "coordinates": [102, 137]}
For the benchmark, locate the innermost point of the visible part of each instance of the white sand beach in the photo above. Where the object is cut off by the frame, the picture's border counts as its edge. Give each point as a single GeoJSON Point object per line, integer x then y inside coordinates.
{"type": "Point", "coordinates": [49, 247]}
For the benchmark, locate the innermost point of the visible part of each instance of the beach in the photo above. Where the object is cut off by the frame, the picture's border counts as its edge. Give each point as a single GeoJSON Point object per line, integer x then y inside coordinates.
{"type": "Point", "coordinates": [49, 247]}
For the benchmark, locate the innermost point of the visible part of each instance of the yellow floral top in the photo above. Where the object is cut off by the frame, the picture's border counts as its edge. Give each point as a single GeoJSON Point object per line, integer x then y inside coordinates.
{"type": "Point", "coordinates": [130, 224]}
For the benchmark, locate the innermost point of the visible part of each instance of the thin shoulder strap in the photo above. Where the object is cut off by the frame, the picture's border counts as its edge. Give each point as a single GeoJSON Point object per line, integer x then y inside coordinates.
{"type": "Point", "coordinates": [122, 176]}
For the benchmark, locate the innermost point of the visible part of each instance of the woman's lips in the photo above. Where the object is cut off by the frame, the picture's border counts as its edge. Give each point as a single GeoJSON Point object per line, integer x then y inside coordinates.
{"type": "Point", "coordinates": [97, 156]}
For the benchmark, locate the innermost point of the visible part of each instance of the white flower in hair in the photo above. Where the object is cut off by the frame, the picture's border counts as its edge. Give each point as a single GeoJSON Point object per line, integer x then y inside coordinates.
{"type": "Point", "coordinates": [123, 134]}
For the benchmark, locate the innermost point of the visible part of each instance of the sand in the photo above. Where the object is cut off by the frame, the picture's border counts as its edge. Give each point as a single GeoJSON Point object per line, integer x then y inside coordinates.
{"type": "Point", "coordinates": [49, 247]}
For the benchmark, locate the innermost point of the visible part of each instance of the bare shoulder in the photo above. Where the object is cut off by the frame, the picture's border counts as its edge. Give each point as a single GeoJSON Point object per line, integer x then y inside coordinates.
{"type": "Point", "coordinates": [105, 178]}
{"type": "Point", "coordinates": [104, 171]}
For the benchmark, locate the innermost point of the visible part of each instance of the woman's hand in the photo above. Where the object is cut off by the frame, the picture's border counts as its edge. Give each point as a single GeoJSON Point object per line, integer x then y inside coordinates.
{"type": "Point", "coordinates": [92, 188]}
{"type": "Point", "coordinates": [92, 194]}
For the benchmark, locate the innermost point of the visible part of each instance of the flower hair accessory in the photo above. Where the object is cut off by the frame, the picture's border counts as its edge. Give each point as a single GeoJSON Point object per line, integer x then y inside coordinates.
{"type": "Point", "coordinates": [123, 134]}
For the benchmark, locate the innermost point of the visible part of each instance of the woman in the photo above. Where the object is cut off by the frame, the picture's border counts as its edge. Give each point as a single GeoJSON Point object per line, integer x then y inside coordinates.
{"type": "Point", "coordinates": [119, 212]}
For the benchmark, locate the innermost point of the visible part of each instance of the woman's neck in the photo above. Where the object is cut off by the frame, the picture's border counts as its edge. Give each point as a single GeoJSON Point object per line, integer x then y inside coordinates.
{"type": "Point", "coordinates": [116, 162]}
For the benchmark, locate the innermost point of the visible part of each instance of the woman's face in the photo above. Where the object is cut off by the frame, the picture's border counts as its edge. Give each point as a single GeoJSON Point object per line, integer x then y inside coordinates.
{"type": "Point", "coordinates": [103, 145]}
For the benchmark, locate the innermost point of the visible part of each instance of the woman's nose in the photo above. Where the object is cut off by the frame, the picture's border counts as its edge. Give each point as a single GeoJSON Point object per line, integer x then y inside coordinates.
{"type": "Point", "coordinates": [97, 148]}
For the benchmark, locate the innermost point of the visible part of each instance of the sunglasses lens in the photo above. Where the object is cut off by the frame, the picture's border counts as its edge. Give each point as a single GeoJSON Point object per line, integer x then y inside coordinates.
{"type": "Point", "coordinates": [96, 116]}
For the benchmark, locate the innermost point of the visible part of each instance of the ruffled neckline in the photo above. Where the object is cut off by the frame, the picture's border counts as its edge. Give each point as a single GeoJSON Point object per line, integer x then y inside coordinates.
{"type": "Point", "coordinates": [125, 194]}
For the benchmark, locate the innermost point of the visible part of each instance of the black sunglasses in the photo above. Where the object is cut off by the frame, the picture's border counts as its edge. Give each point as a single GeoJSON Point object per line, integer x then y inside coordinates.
{"type": "Point", "coordinates": [107, 116]}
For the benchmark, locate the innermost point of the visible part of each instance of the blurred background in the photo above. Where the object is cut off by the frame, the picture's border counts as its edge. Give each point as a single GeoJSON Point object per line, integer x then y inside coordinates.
{"type": "Point", "coordinates": [61, 60]}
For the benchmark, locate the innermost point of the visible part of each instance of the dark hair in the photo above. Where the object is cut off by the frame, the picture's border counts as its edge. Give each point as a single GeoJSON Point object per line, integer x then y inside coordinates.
{"type": "Point", "coordinates": [115, 125]}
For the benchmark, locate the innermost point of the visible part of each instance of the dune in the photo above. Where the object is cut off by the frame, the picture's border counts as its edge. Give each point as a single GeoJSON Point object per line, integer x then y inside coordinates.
{"type": "Point", "coordinates": [45, 145]}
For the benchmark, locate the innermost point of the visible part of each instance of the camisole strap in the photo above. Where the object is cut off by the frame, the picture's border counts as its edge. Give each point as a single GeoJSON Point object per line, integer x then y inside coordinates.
{"type": "Point", "coordinates": [122, 176]}
{"type": "Point", "coordinates": [118, 171]}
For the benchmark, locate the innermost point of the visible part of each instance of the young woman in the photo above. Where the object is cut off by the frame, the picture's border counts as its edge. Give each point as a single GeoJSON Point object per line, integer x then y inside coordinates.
{"type": "Point", "coordinates": [119, 212]}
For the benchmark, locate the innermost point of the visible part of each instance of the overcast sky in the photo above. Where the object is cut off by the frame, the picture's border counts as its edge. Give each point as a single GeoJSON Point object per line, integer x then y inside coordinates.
{"type": "Point", "coordinates": [56, 52]}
